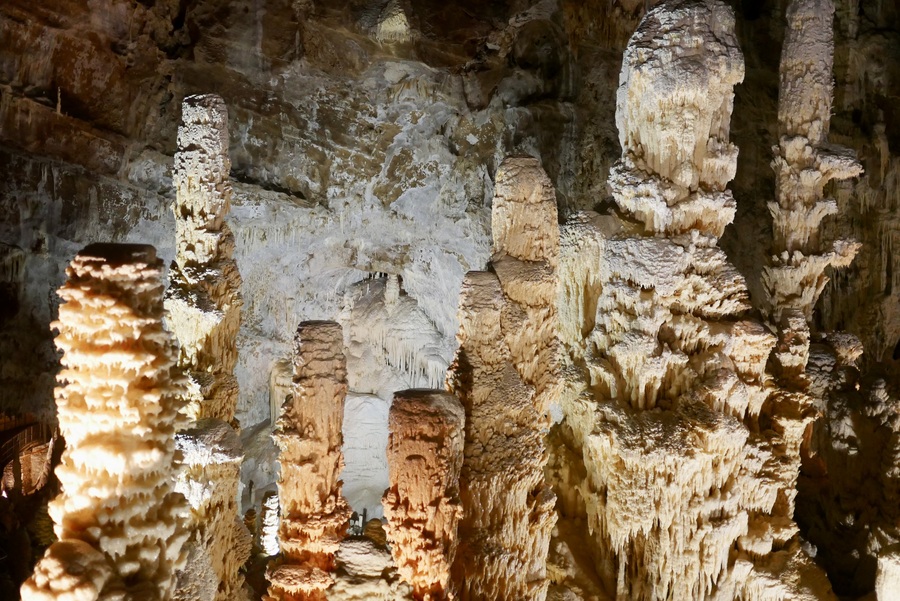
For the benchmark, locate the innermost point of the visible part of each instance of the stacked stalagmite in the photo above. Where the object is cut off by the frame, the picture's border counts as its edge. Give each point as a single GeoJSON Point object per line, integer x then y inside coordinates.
{"type": "Point", "coordinates": [506, 373]}
{"type": "Point", "coordinates": [203, 301]}
{"type": "Point", "coordinates": [203, 306]}
{"type": "Point", "coordinates": [314, 513]}
{"type": "Point", "coordinates": [425, 453]}
{"type": "Point", "coordinates": [678, 483]}
{"type": "Point", "coordinates": [804, 163]}
{"type": "Point", "coordinates": [118, 519]}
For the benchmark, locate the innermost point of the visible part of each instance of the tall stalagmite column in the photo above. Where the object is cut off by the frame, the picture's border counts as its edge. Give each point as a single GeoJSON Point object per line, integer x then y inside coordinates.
{"type": "Point", "coordinates": [118, 519]}
{"type": "Point", "coordinates": [506, 373]}
{"type": "Point", "coordinates": [804, 163]}
{"type": "Point", "coordinates": [680, 483]}
{"type": "Point", "coordinates": [314, 513]}
{"type": "Point", "coordinates": [203, 310]}
{"type": "Point", "coordinates": [203, 302]}
{"type": "Point", "coordinates": [425, 453]}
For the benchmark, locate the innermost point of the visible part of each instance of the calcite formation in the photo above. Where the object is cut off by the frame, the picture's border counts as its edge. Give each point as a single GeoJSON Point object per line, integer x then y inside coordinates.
{"type": "Point", "coordinates": [203, 307]}
{"type": "Point", "coordinates": [118, 519]}
{"type": "Point", "coordinates": [425, 453]}
{"type": "Point", "coordinates": [679, 480]}
{"type": "Point", "coordinates": [506, 373]}
{"type": "Point", "coordinates": [314, 513]}
{"type": "Point", "coordinates": [804, 164]}
{"type": "Point", "coordinates": [203, 301]}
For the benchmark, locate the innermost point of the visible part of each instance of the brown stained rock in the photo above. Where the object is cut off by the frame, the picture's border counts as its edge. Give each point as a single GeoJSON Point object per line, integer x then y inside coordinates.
{"type": "Point", "coordinates": [425, 454]}
{"type": "Point", "coordinates": [314, 513]}
{"type": "Point", "coordinates": [118, 519]}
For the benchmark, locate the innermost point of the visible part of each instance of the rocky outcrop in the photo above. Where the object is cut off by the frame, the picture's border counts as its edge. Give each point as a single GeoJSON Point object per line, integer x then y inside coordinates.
{"type": "Point", "coordinates": [118, 518]}
{"type": "Point", "coordinates": [203, 310]}
{"type": "Point", "coordinates": [505, 374]}
{"type": "Point", "coordinates": [314, 513]}
{"type": "Point", "coordinates": [425, 453]}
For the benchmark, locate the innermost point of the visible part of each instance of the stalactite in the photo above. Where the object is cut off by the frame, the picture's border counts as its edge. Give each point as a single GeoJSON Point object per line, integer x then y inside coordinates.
{"type": "Point", "coordinates": [505, 374]}
{"type": "Point", "coordinates": [425, 453]}
{"type": "Point", "coordinates": [203, 306]}
{"type": "Point", "coordinates": [118, 518]}
{"type": "Point", "coordinates": [314, 513]}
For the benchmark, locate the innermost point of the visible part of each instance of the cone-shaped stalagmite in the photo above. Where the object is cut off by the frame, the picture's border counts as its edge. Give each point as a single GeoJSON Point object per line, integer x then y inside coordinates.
{"type": "Point", "coordinates": [118, 519]}
{"type": "Point", "coordinates": [203, 308]}
{"type": "Point", "coordinates": [314, 513]}
{"type": "Point", "coordinates": [425, 453]}
{"type": "Point", "coordinates": [505, 374]}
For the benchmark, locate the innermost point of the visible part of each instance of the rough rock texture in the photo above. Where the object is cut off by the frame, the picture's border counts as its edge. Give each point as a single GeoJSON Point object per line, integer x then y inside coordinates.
{"type": "Point", "coordinates": [203, 300]}
{"type": "Point", "coordinates": [203, 311]}
{"type": "Point", "coordinates": [506, 374]}
{"type": "Point", "coordinates": [679, 480]}
{"type": "Point", "coordinates": [118, 519]}
{"type": "Point", "coordinates": [425, 454]}
{"type": "Point", "coordinates": [365, 572]}
{"type": "Point", "coordinates": [219, 544]}
{"type": "Point", "coordinates": [314, 513]}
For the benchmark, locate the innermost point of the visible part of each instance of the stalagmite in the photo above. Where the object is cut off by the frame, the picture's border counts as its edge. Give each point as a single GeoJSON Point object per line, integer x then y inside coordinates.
{"type": "Point", "coordinates": [425, 453]}
{"type": "Point", "coordinates": [118, 519]}
{"type": "Point", "coordinates": [679, 482]}
{"type": "Point", "coordinates": [314, 513]}
{"type": "Point", "coordinates": [506, 373]}
{"type": "Point", "coordinates": [203, 301]}
{"type": "Point", "coordinates": [203, 307]}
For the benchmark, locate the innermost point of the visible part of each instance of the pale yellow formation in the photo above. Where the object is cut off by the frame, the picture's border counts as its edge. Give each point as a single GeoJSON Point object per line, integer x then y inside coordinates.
{"type": "Point", "coordinates": [203, 308]}
{"type": "Point", "coordinates": [118, 519]}
{"type": "Point", "coordinates": [425, 453]}
{"type": "Point", "coordinates": [678, 481]}
{"type": "Point", "coordinates": [314, 513]}
{"type": "Point", "coordinates": [203, 301]}
{"type": "Point", "coordinates": [506, 373]}
{"type": "Point", "coordinates": [804, 163]}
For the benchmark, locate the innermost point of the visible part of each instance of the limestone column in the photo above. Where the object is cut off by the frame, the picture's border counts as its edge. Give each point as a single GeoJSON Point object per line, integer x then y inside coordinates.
{"type": "Point", "coordinates": [314, 513]}
{"type": "Point", "coordinates": [203, 301]}
{"type": "Point", "coordinates": [118, 518]}
{"type": "Point", "coordinates": [804, 164]}
{"type": "Point", "coordinates": [505, 373]}
{"type": "Point", "coordinates": [425, 453]}
{"type": "Point", "coordinates": [203, 310]}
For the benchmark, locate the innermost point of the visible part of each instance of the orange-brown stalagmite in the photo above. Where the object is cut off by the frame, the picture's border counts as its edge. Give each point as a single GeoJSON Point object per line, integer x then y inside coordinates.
{"type": "Point", "coordinates": [425, 453]}
{"type": "Point", "coordinates": [314, 513]}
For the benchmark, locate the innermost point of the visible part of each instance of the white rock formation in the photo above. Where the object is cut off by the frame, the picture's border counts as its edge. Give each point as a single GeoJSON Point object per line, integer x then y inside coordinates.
{"type": "Point", "coordinates": [270, 521]}
{"type": "Point", "coordinates": [203, 309]}
{"type": "Point", "coordinates": [425, 454]}
{"type": "Point", "coordinates": [679, 480]}
{"type": "Point", "coordinates": [505, 374]}
{"type": "Point", "coordinates": [314, 513]}
{"type": "Point", "coordinates": [118, 519]}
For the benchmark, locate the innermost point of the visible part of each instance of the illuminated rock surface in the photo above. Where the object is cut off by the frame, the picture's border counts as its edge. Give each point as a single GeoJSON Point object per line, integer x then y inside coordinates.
{"type": "Point", "coordinates": [118, 519]}
{"type": "Point", "coordinates": [203, 308]}
{"type": "Point", "coordinates": [679, 483]}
